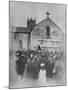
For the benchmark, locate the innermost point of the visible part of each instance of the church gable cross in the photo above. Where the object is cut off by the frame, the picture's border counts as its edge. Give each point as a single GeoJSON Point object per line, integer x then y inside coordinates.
{"type": "Point", "coordinates": [47, 13]}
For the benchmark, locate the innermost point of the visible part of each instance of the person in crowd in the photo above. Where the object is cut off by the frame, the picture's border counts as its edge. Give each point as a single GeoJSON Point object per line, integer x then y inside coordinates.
{"type": "Point", "coordinates": [33, 68]}
{"type": "Point", "coordinates": [39, 48]}
{"type": "Point", "coordinates": [20, 62]}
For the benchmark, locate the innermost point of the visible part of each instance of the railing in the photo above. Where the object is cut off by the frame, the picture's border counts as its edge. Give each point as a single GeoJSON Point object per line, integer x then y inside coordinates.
{"type": "Point", "coordinates": [50, 41]}
{"type": "Point", "coordinates": [46, 47]}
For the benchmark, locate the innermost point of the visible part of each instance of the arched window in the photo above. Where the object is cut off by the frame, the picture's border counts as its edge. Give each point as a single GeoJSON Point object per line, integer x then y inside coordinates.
{"type": "Point", "coordinates": [20, 44]}
{"type": "Point", "coordinates": [48, 31]}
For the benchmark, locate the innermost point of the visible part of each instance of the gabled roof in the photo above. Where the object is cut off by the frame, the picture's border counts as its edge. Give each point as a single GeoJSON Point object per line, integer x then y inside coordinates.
{"type": "Point", "coordinates": [46, 22]}
{"type": "Point", "coordinates": [22, 30]}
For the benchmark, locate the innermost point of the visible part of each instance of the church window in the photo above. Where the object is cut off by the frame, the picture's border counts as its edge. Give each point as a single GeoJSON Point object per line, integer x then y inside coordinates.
{"type": "Point", "coordinates": [20, 44]}
{"type": "Point", "coordinates": [48, 31]}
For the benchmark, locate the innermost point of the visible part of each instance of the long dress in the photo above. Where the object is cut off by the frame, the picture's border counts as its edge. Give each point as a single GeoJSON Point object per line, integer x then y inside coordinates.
{"type": "Point", "coordinates": [42, 77]}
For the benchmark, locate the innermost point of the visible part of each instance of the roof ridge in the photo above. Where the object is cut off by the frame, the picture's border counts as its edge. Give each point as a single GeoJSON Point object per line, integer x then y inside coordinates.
{"type": "Point", "coordinates": [55, 23]}
{"type": "Point", "coordinates": [41, 22]}
{"type": "Point", "coordinates": [51, 21]}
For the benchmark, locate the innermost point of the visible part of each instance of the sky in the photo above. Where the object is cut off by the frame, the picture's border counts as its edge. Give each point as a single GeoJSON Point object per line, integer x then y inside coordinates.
{"type": "Point", "coordinates": [19, 11]}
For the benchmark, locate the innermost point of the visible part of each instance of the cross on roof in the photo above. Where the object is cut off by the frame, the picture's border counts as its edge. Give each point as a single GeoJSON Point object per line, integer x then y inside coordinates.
{"type": "Point", "coordinates": [47, 13]}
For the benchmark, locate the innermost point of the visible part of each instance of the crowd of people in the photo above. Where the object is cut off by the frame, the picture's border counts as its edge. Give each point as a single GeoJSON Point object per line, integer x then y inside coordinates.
{"type": "Point", "coordinates": [34, 61]}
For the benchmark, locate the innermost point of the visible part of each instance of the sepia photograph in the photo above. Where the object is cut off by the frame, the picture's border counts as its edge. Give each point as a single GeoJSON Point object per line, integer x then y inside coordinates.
{"type": "Point", "coordinates": [37, 44]}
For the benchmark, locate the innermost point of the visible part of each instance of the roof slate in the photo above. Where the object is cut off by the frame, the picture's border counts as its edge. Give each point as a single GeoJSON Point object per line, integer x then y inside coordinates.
{"type": "Point", "coordinates": [22, 30]}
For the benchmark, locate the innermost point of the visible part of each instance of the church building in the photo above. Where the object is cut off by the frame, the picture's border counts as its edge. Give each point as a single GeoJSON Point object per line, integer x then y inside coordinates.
{"type": "Point", "coordinates": [45, 34]}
